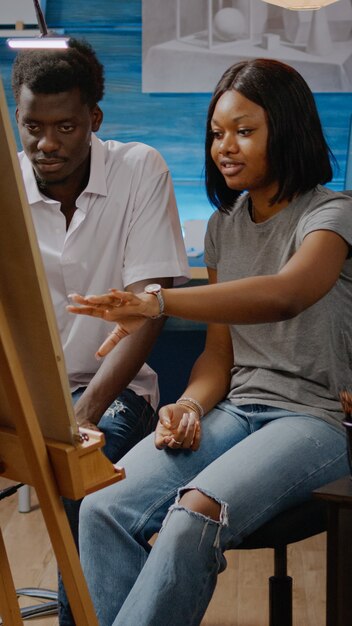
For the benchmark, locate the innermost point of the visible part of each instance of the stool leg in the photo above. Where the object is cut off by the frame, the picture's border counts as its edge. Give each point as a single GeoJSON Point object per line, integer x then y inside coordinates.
{"type": "Point", "coordinates": [24, 499]}
{"type": "Point", "coordinates": [280, 591]}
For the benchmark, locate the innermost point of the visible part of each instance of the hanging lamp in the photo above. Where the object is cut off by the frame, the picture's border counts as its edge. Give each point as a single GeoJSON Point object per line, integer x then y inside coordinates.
{"type": "Point", "coordinates": [301, 5]}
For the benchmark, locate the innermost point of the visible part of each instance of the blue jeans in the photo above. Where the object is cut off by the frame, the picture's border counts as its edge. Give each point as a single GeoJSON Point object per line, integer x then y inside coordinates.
{"type": "Point", "coordinates": [256, 461]}
{"type": "Point", "coordinates": [126, 421]}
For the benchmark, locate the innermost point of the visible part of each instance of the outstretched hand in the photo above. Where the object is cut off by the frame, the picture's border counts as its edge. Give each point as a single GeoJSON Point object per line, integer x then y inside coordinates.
{"type": "Point", "coordinates": [105, 307]}
{"type": "Point", "coordinates": [177, 428]}
{"type": "Point", "coordinates": [111, 306]}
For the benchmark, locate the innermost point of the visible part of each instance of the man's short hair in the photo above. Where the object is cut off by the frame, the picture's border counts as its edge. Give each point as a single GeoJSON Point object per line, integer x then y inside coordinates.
{"type": "Point", "coordinates": [54, 71]}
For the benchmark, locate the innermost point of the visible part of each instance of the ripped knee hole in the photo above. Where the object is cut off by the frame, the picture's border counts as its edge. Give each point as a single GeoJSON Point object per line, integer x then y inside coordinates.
{"type": "Point", "coordinates": [196, 501]}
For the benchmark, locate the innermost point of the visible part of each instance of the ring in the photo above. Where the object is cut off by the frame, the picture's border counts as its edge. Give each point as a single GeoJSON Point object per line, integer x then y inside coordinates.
{"type": "Point", "coordinates": [120, 333]}
{"type": "Point", "coordinates": [115, 337]}
{"type": "Point", "coordinates": [179, 443]}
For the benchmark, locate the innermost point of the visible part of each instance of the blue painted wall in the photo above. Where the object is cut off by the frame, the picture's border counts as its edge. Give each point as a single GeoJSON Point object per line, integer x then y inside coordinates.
{"type": "Point", "coordinates": [173, 123]}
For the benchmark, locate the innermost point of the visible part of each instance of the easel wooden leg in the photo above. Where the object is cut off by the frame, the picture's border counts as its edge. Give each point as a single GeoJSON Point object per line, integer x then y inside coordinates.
{"type": "Point", "coordinates": [41, 476]}
{"type": "Point", "coordinates": [67, 558]}
{"type": "Point", "coordinates": [9, 608]}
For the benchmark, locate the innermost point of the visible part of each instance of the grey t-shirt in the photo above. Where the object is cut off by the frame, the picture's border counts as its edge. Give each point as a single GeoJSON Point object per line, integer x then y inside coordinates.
{"type": "Point", "coordinates": [299, 364]}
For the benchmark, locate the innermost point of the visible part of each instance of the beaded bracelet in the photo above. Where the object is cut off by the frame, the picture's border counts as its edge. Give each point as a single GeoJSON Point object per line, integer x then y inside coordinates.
{"type": "Point", "coordinates": [192, 404]}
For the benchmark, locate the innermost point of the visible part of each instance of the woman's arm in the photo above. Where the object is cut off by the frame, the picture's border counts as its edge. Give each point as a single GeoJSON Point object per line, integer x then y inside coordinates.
{"type": "Point", "coordinates": [209, 383]}
{"type": "Point", "coordinates": [308, 276]}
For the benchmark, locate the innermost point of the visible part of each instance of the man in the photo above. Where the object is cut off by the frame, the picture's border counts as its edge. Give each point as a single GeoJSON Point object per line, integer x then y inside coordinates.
{"type": "Point", "coordinates": [104, 214]}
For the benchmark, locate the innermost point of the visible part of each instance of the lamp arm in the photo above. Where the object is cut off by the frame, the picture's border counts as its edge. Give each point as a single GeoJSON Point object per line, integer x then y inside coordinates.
{"type": "Point", "coordinates": [40, 18]}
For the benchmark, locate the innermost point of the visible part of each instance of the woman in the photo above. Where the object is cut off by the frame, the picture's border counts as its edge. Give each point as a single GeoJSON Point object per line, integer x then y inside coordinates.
{"type": "Point", "coordinates": [277, 351]}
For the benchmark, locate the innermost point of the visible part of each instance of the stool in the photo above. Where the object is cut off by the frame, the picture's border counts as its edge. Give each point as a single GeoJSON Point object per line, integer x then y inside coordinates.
{"type": "Point", "coordinates": [42, 609]}
{"type": "Point", "coordinates": [295, 524]}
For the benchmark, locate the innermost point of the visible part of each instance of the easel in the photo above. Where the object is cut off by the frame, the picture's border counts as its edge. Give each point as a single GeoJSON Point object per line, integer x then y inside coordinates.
{"type": "Point", "coordinates": [39, 439]}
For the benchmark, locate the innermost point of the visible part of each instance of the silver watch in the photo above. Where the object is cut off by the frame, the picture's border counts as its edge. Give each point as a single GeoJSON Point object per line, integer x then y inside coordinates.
{"type": "Point", "coordinates": [155, 290]}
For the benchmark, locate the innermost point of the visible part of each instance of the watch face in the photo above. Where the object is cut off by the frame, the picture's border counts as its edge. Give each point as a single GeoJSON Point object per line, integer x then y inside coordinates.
{"type": "Point", "coordinates": [153, 288]}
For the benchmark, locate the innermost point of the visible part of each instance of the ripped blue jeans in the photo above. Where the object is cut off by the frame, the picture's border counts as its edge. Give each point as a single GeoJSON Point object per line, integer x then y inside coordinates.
{"type": "Point", "coordinates": [124, 423]}
{"type": "Point", "coordinates": [254, 460]}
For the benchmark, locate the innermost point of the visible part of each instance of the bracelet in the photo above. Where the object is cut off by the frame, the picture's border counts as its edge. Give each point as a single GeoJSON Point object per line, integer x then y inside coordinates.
{"type": "Point", "coordinates": [192, 404]}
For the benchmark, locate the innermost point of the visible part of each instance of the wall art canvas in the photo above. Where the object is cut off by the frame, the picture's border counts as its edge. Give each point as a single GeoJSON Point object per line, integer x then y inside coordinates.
{"type": "Point", "coordinates": [188, 44]}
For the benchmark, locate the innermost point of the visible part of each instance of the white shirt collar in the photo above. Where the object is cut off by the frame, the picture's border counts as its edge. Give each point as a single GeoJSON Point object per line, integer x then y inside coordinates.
{"type": "Point", "coordinates": [97, 177]}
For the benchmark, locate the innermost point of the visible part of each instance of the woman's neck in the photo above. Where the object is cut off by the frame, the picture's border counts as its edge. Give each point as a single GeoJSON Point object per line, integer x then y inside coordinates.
{"type": "Point", "coordinates": [261, 209]}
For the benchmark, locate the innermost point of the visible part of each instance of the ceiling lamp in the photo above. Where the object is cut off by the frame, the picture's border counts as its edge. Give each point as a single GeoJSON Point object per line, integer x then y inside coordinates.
{"type": "Point", "coordinates": [301, 5]}
{"type": "Point", "coordinates": [45, 40]}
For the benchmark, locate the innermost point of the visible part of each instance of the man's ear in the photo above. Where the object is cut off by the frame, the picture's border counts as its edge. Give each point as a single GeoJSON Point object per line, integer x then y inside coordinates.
{"type": "Point", "coordinates": [97, 118]}
{"type": "Point", "coordinates": [17, 114]}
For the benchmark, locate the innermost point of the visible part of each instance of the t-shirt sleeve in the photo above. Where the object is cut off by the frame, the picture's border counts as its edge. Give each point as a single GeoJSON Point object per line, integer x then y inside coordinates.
{"type": "Point", "coordinates": [334, 215]}
{"type": "Point", "coordinates": [210, 253]}
{"type": "Point", "coordinates": [154, 246]}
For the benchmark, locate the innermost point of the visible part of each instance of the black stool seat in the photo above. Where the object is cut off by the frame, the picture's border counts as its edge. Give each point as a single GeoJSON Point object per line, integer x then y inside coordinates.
{"type": "Point", "coordinates": [295, 524]}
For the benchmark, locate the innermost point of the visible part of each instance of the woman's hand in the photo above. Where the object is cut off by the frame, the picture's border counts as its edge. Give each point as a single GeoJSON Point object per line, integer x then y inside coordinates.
{"type": "Point", "coordinates": [115, 305]}
{"type": "Point", "coordinates": [112, 306]}
{"type": "Point", "coordinates": [177, 428]}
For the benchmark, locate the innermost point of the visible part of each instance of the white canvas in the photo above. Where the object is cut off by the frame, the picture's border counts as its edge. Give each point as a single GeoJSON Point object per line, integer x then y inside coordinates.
{"type": "Point", "coordinates": [188, 44]}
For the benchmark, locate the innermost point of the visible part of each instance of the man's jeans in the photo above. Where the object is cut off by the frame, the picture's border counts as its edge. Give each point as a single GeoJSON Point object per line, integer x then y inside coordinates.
{"type": "Point", "coordinates": [128, 420]}
{"type": "Point", "coordinates": [255, 461]}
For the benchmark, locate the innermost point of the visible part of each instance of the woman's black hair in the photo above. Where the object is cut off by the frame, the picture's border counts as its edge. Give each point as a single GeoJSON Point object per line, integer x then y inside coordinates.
{"type": "Point", "coordinates": [298, 155]}
{"type": "Point", "coordinates": [55, 71]}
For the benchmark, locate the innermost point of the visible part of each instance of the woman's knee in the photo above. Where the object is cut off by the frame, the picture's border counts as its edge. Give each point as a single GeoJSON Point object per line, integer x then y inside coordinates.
{"type": "Point", "coordinates": [199, 502]}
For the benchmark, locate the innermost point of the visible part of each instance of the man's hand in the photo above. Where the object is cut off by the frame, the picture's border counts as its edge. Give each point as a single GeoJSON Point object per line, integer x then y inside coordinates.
{"type": "Point", "coordinates": [122, 329]}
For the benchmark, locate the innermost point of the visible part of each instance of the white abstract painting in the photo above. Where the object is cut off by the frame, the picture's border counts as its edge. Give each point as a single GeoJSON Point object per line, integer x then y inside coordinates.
{"type": "Point", "coordinates": [188, 44]}
{"type": "Point", "coordinates": [14, 11]}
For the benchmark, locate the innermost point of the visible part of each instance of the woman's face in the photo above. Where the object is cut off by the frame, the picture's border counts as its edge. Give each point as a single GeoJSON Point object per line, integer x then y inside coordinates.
{"type": "Point", "coordinates": [240, 138]}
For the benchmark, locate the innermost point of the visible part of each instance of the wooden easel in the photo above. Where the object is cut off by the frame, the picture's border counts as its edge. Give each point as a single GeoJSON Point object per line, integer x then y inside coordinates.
{"type": "Point", "coordinates": [40, 443]}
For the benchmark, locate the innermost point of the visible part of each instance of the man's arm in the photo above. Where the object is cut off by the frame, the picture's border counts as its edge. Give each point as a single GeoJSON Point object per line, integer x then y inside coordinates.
{"type": "Point", "coordinates": [120, 366]}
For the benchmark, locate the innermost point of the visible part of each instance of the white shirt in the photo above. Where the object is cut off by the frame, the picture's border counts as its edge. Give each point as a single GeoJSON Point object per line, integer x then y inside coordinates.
{"type": "Point", "coordinates": [125, 229]}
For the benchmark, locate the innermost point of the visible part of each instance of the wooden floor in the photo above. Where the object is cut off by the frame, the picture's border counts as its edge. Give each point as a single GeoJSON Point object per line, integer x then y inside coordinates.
{"type": "Point", "coordinates": [241, 597]}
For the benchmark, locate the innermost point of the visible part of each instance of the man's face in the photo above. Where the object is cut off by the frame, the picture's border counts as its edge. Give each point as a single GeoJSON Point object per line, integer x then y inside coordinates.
{"type": "Point", "coordinates": [55, 131]}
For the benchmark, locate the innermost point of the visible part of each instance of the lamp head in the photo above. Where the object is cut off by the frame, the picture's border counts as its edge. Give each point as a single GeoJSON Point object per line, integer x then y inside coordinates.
{"type": "Point", "coordinates": [301, 5]}
{"type": "Point", "coordinates": [19, 43]}
{"type": "Point", "coordinates": [46, 39]}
